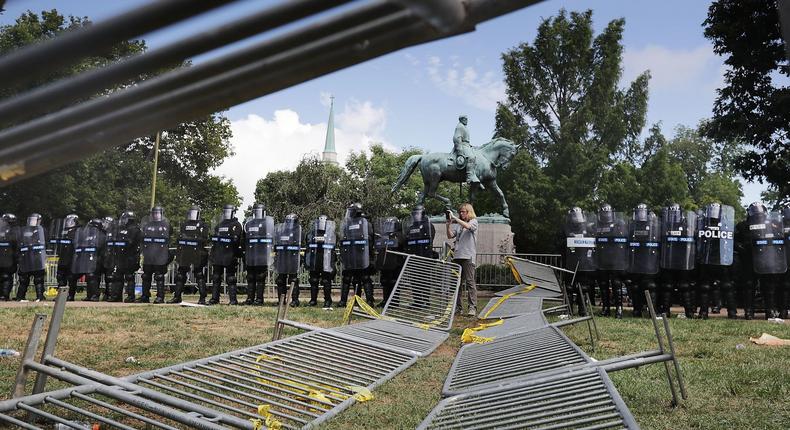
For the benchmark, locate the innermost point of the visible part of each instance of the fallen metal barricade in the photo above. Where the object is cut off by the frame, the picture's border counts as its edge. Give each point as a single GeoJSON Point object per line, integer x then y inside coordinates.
{"type": "Point", "coordinates": [505, 307]}
{"type": "Point", "coordinates": [582, 399]}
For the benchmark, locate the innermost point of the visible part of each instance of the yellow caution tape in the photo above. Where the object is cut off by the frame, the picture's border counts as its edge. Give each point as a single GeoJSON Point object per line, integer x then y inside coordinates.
{"type": "Point", "coordinates": [469, 335]}
{"type": "Point", "coordinates": [362, 305]}
{"type": "Point", "coordinates": [269, 420]}
{"type": "Point", "coordinates": [361, 394]}
{"type": "Point", "coordinates": [502, 299]}
{"type": "Point", "coordinates": [514, 270]}
{"type": "Point", "coordinates": [51, 292]}
{"type": "Point", "coordinates": [257, 424]}
{"type": "Point", "coordinates": [318, 395]}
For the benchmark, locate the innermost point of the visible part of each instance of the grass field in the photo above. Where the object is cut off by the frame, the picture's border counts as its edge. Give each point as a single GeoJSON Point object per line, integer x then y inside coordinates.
{"type": "Point", "coordinates": [745, 388]}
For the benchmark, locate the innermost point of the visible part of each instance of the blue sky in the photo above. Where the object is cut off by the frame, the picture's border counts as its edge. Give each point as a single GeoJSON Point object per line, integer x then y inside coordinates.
{"type": "Point", "coordinates": [412, 97]}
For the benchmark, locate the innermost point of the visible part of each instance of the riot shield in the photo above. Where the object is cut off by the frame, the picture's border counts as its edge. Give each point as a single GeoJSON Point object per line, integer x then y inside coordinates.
{"type": "Point", "coordinates": [716, 235]}
{"type": "Point", "coordinates": [191, 245]}
{"type": "Point", "coordinates": [226, 242]}
{"type": "Point", "coordinates": [611, 243]}
{"type": "Point", "coordinates": [321, 242]}
{"type": "Point", "coordinates": [768, 251]}
{"type": "Point", "coordinates": [259, 244]}
{"type": "Point", "coordinates": [418, 236]}
{"type": "Point", "coordinates": [56, 232]}
{"type": "Point", "coordinates": [32, 249]}
{"type": "Point", "coordinates": [355, 243]}
{"type": "Point", "coordinates": [580, 242]}
{"type": "Point", "coordinates": [388, 237]}
{"type": "Point", "coordinates": [678, 232]}
{"type": "Point", "coordinates": [644, 244]}
{"type": "Point", "coordinates": [287, 241]}
{"type": "Point", "coordinates": [88, 243]}
{"type": "Point", "coordinates": [156, 241]}
{"type": "Point", "coordinates": [8, 244]}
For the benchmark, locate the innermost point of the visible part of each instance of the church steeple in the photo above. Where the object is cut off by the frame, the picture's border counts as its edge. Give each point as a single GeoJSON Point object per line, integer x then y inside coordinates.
{"type": "Point", "coordinates": [329, 155]}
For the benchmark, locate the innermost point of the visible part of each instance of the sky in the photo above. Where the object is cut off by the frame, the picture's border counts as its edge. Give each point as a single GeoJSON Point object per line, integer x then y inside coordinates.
{"type": "Point", "coordinates": [412, 97]}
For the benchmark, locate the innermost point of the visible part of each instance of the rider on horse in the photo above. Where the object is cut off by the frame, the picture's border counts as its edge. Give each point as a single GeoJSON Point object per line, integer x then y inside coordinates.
{"type": "Point", "coordinates": [463, 154]}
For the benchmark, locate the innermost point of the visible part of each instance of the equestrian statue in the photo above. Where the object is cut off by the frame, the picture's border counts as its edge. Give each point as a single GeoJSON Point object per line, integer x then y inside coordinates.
{"type": "Point", "coordinates": [475, 166]}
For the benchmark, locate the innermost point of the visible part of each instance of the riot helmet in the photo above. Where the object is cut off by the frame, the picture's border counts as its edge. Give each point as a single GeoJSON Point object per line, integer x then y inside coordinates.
{"type": "Point", "coordinates": [193, 213]}
{"type": "Point", "coordinates": [228, 212]}
{"type": "Point", "coordinates": [354, 210]}
{"type": "Point", "coordinates": [576, 215]}
{"type": "Point", "coordinates": [157, 213]}
{"type": "Point", "coordinates": [417, 214]}
{"type": "Point", "coordinates": [640, 213]}
{"type": "Point", "coordinates": [34, 220]}
{"type": "Point", "coordinates": [292, 220]}
{"type": "Point", "coordinates": [390, 226]}
{"type": "Point", "coordinates": [605, 214]}
{"type": "Point", "coordinates": [97, 222]}
{"type": "Point", "coordinates": [106, 222]}
{"type": "Point", "coordinates": [786, 212]}
{"type": "Point", "coordinates": [320, 224]}
{"type": "Point", "coordinates": [757, 211]}
{"type": "Point", "coordinates": [71, 221]}
{"type": "Point", "coordinates": [10, 218]}
{"type": "Point", "coordinates": [258, 211]}
{"type": "Point", "coordinates": [713, 211]}
{"type": "Point", "coordinates": [127, 218]}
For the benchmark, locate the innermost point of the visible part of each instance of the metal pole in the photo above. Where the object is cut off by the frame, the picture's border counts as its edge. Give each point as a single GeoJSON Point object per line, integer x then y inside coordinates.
{"type": "Point", "coordinates": [661, 346]}
{"type": "Point", "coordinates": [682, 385]}
{"type": "Point", "coordinates": [156, 165]}
{"type": "Point", "coordinates": [30, 350]}
{"type": "Point", "coordinates": [52, 335]}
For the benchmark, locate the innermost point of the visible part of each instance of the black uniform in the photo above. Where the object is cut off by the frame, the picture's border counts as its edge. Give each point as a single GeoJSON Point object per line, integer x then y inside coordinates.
{"type": "Point", "coordinates": [580, 253]}
{"type": "Point", "coordinates": [156, 254]}
{"type": "Point", "coordinates": [225, 251]}
{"type": "Point", "coordinates": [677, 257]}
{"type": "Point", "coordinates": [122, 256]}
{"type": "Point", "coordinates": [356, 254]}
{"type": "Point", "coordinates": [287, 243]}
{"type": "Point", "coordinates": [715, 244]}
{"type": "Point", "coordinates": [106, 271]}
{"type": "Point", "coordinates": [746, 282]}
{"type": "Point", "coordinates": [768, 253]}
{"type": "Point", "coordinates": [89, 242]}
{"type": "Point", "coordinates": [32, 257]}
{"type": "Point", "coordinates": [191, 253]}
{"type": "Point", "coordinates": [644, 235]}
{"type": "Point", "coordinates": [784, 298]}
{"type": "Point", "coordinates": [389, 237]}
{"type": "Point", "coordinates": [61, 245]}
{"type": "Point", "coordinates": [320, 258]}
{"type": "Point", "coordinates": [8, 254]}
{"type": "Point", "coordinates": [611, 252]}
{"type": "Point", "coordinates": [258, 248]}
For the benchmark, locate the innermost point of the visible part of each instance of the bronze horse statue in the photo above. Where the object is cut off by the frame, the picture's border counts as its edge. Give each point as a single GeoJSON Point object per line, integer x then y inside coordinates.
{"type": "Point", "coordinates": [439, 166]}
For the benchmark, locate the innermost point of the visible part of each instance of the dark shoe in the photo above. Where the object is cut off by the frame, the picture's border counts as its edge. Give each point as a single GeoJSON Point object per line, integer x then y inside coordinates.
{"type": "Point", "coordinates": [71, 298]}
{"type": "Point", "coordinates": [605, 312]}
{"type": "Point", "coordinates": [201, 301]}
{"type": "Point", "coordinates": [174, 300]}
{"type": "Point", "coordinates": [233, 302]}
{"type": "Point", "coordinates": [716, 310]}
{"type": "Point", "coordinates": [637, 313]}
{"type": "Point", "coordinates": [312, 303]}
{"type": "Point", "coordinates": [127, 300]}
{"type": "Point", "coordinates": [93, 299]}
{"type": "Point", "coordinates": [158, 300]}
{"type": "Point", "coordinates": [749, 315]}
{"type": "Point", "coordinates": [213, 301]}
{"type": "Point", "coordinates": [732, 315]}
{"type": "Point", "coordinates": [257, 303]}
{"type": "Point", "coordinates": [143, 300]}
{"type": "Point", "coordinates": [249, 302]}
{"type": "Point", "coordinates": [294, 303]}
{"type": "Point", "coordinates": [327, 304]}
{"type": "Point", "coordinates": [341, 304]}
{"type": "Point", "coordinates": [618, 313]}
{"type": "Point", "coordinates": [703, 315]}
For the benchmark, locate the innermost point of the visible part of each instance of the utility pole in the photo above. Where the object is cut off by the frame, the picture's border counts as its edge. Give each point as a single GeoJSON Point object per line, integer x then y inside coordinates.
{"type": "Point", "coordinates": [156, 164]}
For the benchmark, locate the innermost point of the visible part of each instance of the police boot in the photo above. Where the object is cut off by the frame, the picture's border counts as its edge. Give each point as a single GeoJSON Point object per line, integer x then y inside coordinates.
{"type": "Point", "coordinates": [231, 280]}
{"type": "Point", "coordinates": [729, 298]}
{"type": "Point", "coordinates": [367, 285]}
{"type": "Point", "coordinates": [618, 300]}
{"type": "Point", "coordinates": [716, 295]}
{"type": "Point", "coordinates": [92, 288]}
{"type": "Point", "coordinates": [201, 286]}
{"type": "Point", "coordinates": [605, 301]}
{"type": "Point", "coordinates": [638, 302]}
{"type": "Point", "coordinates": [116, 289]}
{"type": "Point", "coordinates": [748, 303]}
{"type": "Point", "coordinates": [216, 283]}
{"type": "Point", "coordinates": [327, 283]}
{"type": "Point", "coordinates": [295, 293]}
{"type": "Point", "coordinates": [785, 302]}
{"type": "Point", "coordinates": [386, 290]}
{"type": "Point", "coordinates": [313, 295]}
{"type": "Point", "coordinates": [39, 285]}
{"type": "Point", "coordinates": [251, 277]}
{"type": "Point", "coordinates": [129, 289]}
{"type": "Point", "coordinates": [5, 287]}
{"type": "Point", "coordinates": [703, 300]}
{"type": "Point", "coordinates": [106, 293]}
{"type": "Point", "coordinates": [178, 287]}
{"type": "Point", "coordinates": [160, 288]}
{"type": "Point", "coordinates": [260, 287]}
{"type": "Point", "coordinates": [345, 286]}
{"type": "Point", "coordinates": [769, 302]}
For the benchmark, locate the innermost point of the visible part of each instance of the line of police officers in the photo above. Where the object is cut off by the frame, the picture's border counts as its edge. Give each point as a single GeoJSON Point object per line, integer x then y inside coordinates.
{"type": "Point", "coordinates": [111, 249]}
{"type": "Point", "coordinates": [686, 257]}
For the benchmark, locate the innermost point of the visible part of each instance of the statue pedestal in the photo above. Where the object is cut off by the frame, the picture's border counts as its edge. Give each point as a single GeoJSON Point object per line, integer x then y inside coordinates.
{"type": "Point", "coordinates": [494, 235]}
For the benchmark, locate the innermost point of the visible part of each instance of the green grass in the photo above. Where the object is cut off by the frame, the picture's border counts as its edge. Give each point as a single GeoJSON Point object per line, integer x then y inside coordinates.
{"type": "Point", "coordinates": [744, 389]}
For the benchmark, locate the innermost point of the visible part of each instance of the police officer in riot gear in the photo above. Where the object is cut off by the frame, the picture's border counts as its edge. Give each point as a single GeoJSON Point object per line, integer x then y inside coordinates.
{"type": "Point", "coordinates": [743, 268]}
{"type": "Point", "coordinates": [225, 251]}
{"type": "Point", "coordinates": [32, 257]}
{"type": "Point", "coordinates": [356, 254]}
{"type": "Point", "coordinates": [320, 258]}
{"type": "Point", "coordinates": [156, 254]}
{"type": "Point", "coordinates": [644, 255]}
{"type": "Point", "coordinates": [61, 243]}
{"type": "Point", "coordinates": [389, 237]}
{"type": "Point", "coordinates": [287, 242]}
{"type": "Point", "coordinates": [191, 254]}
{"type": "Point", "coordinates": [108, 223]}
{"type": "Point", "coordinates": [768, 253]}
{"type": "Point", "coordinates": [784, 298]}
{"type": "Point", "coordinates": [580, 253]}
{"type": "Point", "coordinates": [611, 253]}
{"type": "Point", "coordinates": [8, 257]}
{"type": "Point", "coordinates": [258, 247]}
{"type": "Point", "coordinates": [677, 257]}
{"type": "Point", "coordinates": [418, 234]}
{"type": "Point", "coordinates": [122, 256]}
{"type": "Point", "coordinates": [715, 244]}
{"type": "Point", "coordinates": [89, 242]}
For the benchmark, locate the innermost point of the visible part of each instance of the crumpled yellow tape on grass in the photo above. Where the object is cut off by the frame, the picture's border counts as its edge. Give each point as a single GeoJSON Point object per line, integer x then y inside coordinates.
{"type": "Point", "coordinates": [502, 299]}
{"type": "Point", "coordinates": [469, 335]}
{"type": "Point", "coordinates": [268, 419]}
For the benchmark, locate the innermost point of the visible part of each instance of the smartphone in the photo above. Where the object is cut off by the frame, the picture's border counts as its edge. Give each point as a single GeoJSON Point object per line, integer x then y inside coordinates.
{"type": "Point", "coordinates": [447, 214]}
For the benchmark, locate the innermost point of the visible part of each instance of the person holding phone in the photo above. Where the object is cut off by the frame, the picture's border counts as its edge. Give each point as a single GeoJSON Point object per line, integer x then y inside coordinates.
{"type": "Point", "coordinates": [465, 251]}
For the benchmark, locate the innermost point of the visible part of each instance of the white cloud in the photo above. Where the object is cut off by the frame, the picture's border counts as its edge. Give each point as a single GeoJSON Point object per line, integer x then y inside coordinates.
{"type": "Point", "coordinates": [264, 145]}
{"type": "Point", "coordinates": [669, 68]}
{"type": "Point", "coordinates": [480, 90]}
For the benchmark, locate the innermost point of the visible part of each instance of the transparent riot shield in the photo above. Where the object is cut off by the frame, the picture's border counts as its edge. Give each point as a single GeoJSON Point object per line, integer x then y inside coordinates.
{"type": "Point", "coordinates": [678, 232]}
{"type": "Point", "coordinates": [355, 243]}
{"type": "Point", "coordinates": [388, 237]}
{"type": "Point", "coordinates": [56, 232]}
{"type": "Point", "coordinates": [644, 236]}
{"type": "Point", "coordinates": [716, 235]}
{"type": "Point", "coordinates": [259, 246]}
{"type": "Point", "coordinates": [156, 241]}
{"type": "Point", "coordinates": [32, 249]}
{"type": "Point", "coordinates": [321, 243]}
{"type": "Point", "coordinates": [611, 242]}
{"type": "Point", "coordinates": [580, 242]}
{"type": "Point", "coordinates": [87, 248]}
{"type": "Point", "coordinates": [418, 234]}
{"type": "Point", "coordinates": [287, 242]}
{"type": "Point", "coordinates": [768, 250]}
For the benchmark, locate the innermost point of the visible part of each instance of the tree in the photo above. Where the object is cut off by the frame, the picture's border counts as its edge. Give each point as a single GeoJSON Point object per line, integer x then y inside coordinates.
{"type": "Point", "coordinates": [752, 108]}
{"type": "Point", "coordinates": [120, 178]}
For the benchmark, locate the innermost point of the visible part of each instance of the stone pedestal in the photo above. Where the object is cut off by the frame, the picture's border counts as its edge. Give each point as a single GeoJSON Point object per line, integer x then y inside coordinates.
{"type": "Point", "coordinates": [494, 235]}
